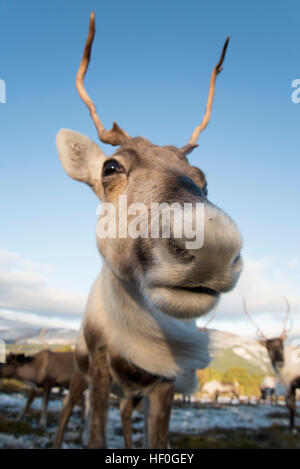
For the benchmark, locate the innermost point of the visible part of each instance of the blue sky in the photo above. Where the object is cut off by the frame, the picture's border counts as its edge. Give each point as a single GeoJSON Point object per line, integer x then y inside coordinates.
{"type": "Point", "coordinates": [150, 71]}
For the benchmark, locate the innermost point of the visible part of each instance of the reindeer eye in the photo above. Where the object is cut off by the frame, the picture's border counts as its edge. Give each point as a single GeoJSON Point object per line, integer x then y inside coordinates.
{"type": "Point", "coordinates": [205, 191]}
{"type": "Point", "coordinates": [111, 167]}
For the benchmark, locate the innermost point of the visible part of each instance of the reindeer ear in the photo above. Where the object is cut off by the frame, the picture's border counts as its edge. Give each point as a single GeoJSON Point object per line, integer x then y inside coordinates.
{"type": "Point", "coordinates": [81, 158]}
{"type": "Point", "coordinates": [283, 336]}
{"type": "Point", "coordinates": [21, 358]}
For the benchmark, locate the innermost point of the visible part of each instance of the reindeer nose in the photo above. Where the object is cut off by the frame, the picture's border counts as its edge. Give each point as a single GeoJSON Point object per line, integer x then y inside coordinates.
{"type": "Point", "coordinates": [220, 256]}
{"type": "Point", "coordinates": [215, 262]}
{"type": "Point", "coordinates": [237, 263]}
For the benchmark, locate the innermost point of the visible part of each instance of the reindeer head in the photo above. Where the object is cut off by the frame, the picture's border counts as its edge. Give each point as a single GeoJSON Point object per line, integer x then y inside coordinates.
{"type": "Point", "coordinates": [275, 350]}
{"type": "Point", "coordinates": [179, 280]}
{"type": "Point", "coordinates": [13, 362]}
{"type": "Point", "coordinates": [275, 345]}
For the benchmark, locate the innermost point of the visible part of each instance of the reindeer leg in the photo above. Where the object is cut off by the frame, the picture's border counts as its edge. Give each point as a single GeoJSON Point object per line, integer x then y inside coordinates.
{"type": "Point", "coordinates": [85, 437]}
{"type": "Point", "coordinates": [146, 407]}
{"type": "Point", "coordinates": [160, 402]}
{"type": "Point", "coordinates": [77, 386]}
{"type": "Point", "coordinates": [31, 396]}
{"type": "Point", "coordinates": [291, 404]}
{"type": "Point", "coordinates": [46, 395]}
{"type": "Point", "coordinates": [100, 387]}
{"type": "Point", "coordinates": [127, 407]}
{"type": "Point", "coordinates": [272, 396]}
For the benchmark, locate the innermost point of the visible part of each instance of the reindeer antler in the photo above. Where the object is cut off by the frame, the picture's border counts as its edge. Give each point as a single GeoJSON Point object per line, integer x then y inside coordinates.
{"type": "Point", "coordinates": [114, 136]}
{"type": "Point", "coordinates": [217, 69]}
{"type": "Point", "coordinates": [44, 344]}
{"type": "Point", "coordinates": [16, 346]}
{"type": "Point", "coordinates": [285, 330]}
{"type": "Point", "coordinates": [259, 332]}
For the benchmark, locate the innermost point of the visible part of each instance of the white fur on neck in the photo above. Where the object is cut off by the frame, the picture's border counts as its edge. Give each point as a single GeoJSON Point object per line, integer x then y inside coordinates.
{"type": "Point", "coordinates": [291, 367]}
{"type": "Point", "coordinates": [151, 340]}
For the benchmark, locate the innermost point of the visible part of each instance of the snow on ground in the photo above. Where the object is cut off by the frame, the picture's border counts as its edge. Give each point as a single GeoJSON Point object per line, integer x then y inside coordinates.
{"type": "Point", "coordinates": [189, 419]}
{"type": "Point", "coordinates": [195, 420]}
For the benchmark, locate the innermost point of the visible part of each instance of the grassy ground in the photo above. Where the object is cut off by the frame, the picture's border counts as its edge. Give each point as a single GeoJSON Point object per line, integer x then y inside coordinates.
{"type": "Point", "coordinates": [11, 385]}
{"type": "Point", "coordinates": [12, 427]}
{"type": "Point", "coordinates": [274, 437]}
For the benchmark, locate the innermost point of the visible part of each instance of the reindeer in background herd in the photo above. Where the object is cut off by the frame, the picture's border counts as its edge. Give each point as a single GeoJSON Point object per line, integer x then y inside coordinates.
{"type": "Point", "coordinates": [216, 388]}
{"type": "Point", "coordinates": [285, 360]}
{"type": "Point", "coordinates": [44, 370]}
{"type": "Point", "coordinates": [138, 331]}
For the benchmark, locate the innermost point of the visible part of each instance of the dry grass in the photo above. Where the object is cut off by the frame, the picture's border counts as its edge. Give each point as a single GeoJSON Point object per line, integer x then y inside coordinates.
{"type": "Point", "coordinates": [274, 437]}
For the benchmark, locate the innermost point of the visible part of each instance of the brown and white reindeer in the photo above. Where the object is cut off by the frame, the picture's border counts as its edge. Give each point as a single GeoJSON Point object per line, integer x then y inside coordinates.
{"type": "Point", "coordinates": [216, 388]}
{"type": "Point", "coordinates": [285, 360]}
{"type": "Point", "coordinates": [138, 332]}
{"type": "Point", "coordinates": [44, 370]}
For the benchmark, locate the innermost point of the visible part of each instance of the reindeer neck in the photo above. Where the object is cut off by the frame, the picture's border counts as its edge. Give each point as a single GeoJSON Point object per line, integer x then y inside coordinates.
{"type": "Point", "coordinates": [144, 336]}
{"type": "Point", "coordinates": [291, 367]}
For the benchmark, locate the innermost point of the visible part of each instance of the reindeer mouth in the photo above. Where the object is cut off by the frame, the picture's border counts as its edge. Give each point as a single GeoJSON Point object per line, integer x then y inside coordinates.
{"type": "Point", "coordinates": [183, 302]}
{"type": "Point", "coordinates": [200, 290]}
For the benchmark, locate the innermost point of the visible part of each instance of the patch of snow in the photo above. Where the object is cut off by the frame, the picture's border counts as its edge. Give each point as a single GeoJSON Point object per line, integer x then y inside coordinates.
{"type": "Point", "coordinates": [190, 419]}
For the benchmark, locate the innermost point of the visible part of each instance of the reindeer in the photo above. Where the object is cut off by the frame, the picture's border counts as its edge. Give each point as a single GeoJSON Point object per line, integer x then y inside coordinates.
{"type": "Point", "coordinates": [285, 361]}
{"type": "Point", "coordinates": [138, 330]}
{"type": "Point", "coordinates": [272, 387]}
{"type": "Point", "coordinates": [215, 388]}
{"type": "Point", "coordinates": [268, 387]}
{"type": "Point", "coordinates": [45, 370]}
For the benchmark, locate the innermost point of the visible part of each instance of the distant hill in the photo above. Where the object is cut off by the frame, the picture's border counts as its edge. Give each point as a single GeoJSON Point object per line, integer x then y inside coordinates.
{"type": "Point", "coordinates": [29, 335]}
{"type": "Point", "coordinates": [229, 350]}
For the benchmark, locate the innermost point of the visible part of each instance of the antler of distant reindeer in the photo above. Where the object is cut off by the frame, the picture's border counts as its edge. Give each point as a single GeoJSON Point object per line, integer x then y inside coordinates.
{"type": "Point", "coordinates": [44, 344]}
{"type": "Point", "coordinates": [114, 136]}
{"type": "Point", "coordinates": [259, 332]}
{"type": "Point", "coordinates": [285, 329]}
{"type": "Point", "coordinates": [16, 347]}
{"type": "Point", "coordinates": [206, 118]}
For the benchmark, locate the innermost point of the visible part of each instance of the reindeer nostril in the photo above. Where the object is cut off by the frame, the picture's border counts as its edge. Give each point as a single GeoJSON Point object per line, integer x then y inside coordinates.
{"type": "Point", "coordinates": [237, 263]}
{"type": "Point", "coordinates": [179, 251]}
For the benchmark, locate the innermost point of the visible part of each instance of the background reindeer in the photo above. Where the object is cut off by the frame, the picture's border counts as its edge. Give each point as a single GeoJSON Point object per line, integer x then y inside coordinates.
{"type": "Point", "coordinates": [215, 388]}
{"type": "Point", "coordinates": [45, 370]}
{"type": "Point", "coordinates": [285, 361]}
{"type": "Point", "coordinates": [137, 331]}
{"type": "Point", "coordinates": [270, 386]}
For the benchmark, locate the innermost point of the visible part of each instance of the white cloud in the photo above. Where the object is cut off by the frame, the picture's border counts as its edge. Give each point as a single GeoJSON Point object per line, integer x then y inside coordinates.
{"type": "Point", "coordinates": [27, 297]}
{"type": "Point", "coordinates": [26, 286]}
{"type": "Point", "coordinates": [293, 263]}
{"type": "Point", "coordinates": [16, 319]}
{"type": "Point", "coordinates": [264, 284]}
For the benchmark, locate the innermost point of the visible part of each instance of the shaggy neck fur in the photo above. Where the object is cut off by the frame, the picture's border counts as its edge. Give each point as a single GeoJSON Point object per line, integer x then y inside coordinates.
{"type": "Point", "coordinates": [149, 339]}
{"type": "Point", "coordinates": [291, 367]}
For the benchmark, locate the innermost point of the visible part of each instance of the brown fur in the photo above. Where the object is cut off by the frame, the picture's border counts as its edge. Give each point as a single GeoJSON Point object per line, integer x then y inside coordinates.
{"type": "Point", "coordinates": [44, 370]}
{"type": "Point", "coordinates": [275, 348]}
